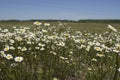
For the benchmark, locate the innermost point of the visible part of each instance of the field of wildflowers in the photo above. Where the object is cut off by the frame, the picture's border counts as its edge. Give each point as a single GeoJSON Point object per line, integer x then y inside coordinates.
{"type": "Point", "coordinates": [59, 53]}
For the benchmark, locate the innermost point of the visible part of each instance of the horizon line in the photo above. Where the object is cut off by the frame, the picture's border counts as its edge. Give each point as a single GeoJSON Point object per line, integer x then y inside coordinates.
{"type": "Point", "coordinates": [53, 19]}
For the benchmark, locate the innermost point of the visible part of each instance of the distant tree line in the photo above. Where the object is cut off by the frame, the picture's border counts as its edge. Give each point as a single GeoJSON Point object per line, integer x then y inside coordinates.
{"type": "Point", "coordinates": [100, 21]}
{"type": "Point", "coordinates": [56, 20]}
{"type": "Point", "coordinates": [41, 20]}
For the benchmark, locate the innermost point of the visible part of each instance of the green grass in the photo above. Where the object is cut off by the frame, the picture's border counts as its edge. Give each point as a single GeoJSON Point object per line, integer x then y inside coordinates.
{"type": "Point", "coordinates": [77, 26]}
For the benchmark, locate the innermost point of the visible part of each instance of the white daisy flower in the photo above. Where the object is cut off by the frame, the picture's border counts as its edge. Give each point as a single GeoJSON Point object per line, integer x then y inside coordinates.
{"type": "Point", "coordinates": [9, 56]}
{"type": "Point", "coordinates": [12, 41]}
{"type": "Point", "coordinates": [24, 49]}
{"type": "Point", "coordinates": [44, 31]}
{"type": "Point", "coordinates": [112, 28]}
{"type": "Point", "coordinates": [46, 24]}
{"type": "Point", "coordinates": [98, 48]}
{"type": "Point", "coordinates": [12, 48]}
{"type": "Point", "coordinates": [100, 55]}
{"type": "Point", "coordinates": [19, 38]}
{"type": "Point", "coordinates": [37, 23]}
{"type": "Point", "coordinates": [119, 69]}
{"type": "Point", "coordinates": [18, 59]}
{"type": "Point", "coordinates": [55, 78]}
{"type": "Point", "coordinates": [6, 48]}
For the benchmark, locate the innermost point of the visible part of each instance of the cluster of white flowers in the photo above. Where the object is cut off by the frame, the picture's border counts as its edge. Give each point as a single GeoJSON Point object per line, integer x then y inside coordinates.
{"type": "Point", "coordinates": [49, 40]}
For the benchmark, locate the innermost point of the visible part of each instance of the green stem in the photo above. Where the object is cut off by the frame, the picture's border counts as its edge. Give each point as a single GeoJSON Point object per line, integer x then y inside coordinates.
{"type": "Point", "coordinates": [117, 66]}
{"type": "Point", "coordinates": [109, 34]}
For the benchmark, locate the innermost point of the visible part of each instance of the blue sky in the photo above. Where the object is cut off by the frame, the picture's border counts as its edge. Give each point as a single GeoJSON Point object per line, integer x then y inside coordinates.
{"type": "Point", "coordinates": [59, 9]}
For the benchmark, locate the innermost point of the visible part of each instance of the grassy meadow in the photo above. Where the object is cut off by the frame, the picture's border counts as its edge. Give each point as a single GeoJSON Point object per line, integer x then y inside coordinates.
{"type": "Point", "coordinates": [59, 50]}
{"type": "Point", "coordinates": [92, 27]}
